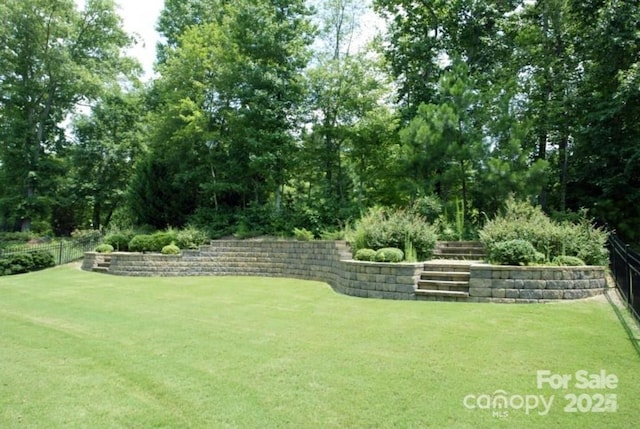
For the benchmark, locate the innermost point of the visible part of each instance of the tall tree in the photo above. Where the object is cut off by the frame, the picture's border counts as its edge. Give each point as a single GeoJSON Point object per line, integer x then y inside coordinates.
{"type": "Point", "coordinates": [54, 57]}
{"type": "Point", "coordinates": [230, 92]}
{"type": "Point", "coordinates": [108, 143]}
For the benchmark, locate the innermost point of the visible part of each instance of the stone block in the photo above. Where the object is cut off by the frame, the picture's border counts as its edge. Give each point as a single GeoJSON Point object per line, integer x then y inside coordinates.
{"type": "Point", "coordinates": [479, 292]}
{"type": "Point", "coordinates": [552, 294]}
{"type": "Point", "coordinates": [503, 284]}
{"type": "Point", "coordinates": [574, 294]}
{"type": "Point", "coordinates": [531, 294]}
{"type": "Point", "coordinates": [535, 284]}
{"type": "Point", "coordinates": [498, 293]}
{"type": "Point", "coordinates": [480, 283]}
{"type": "Point", "coordinates": [512, 293]}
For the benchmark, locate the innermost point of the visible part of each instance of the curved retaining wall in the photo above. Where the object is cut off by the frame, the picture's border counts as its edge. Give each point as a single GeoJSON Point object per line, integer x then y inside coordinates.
{"type": "Point", "coordinates": [330, 262]}
{"type": "Point", "coordinates": [326, 261]}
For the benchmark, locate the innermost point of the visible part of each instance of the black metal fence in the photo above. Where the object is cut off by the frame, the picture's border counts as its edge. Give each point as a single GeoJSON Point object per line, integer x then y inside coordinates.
{"type": "Point", "coordinates": [63, 252]}
{"type": "Point", "coordinates": [625, 269]}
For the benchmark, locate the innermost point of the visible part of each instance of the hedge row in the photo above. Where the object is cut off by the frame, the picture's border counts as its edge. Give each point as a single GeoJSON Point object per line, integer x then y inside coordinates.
{"type": "Point", "coordinates": [19, 263]}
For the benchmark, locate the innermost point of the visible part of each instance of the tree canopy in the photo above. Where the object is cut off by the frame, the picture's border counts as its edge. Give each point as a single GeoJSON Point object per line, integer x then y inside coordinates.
{"type": "Point", "coordinates": [264, 116]}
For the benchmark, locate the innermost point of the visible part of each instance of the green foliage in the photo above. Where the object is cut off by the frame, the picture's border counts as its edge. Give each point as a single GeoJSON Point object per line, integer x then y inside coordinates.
{"type": "Point", "coordinates": [42, 259]}
{"type": "Point", "coordinates": [524, 221]}
{"type": "Point", "coordinates": [381, 228]}
{"type": "Point", "coordinates": [163, 238]}
{"type": "Point", "coordinates": [410, 254]}
{"type": "Point", "coordinates": [170, 249]}
{"type": "Point", "coordinates": [20, 263]}
{"type": "Point", "coordinates": [568, 261]}
{"type": "Point", "coordinates": [190, 237]}
{"type": "Point", "coordinates": [302, 234]}
{"type": "Point", "coordinates": [104, 248]}
{"type": "Point", "coordinates": [119, 240]}
{"type": "Point", "coordinates": [513, 252]}
{"type": "Point", "coordinates": [142, 243]}
{"type": "Point", "coordinates": [365, 255]}
{"type": "Point", "coordinates": [85, 234]}
{"type": "Point", "coordinates": [389, 254]}
{"type": "Point", "coordinates": [333, 235]}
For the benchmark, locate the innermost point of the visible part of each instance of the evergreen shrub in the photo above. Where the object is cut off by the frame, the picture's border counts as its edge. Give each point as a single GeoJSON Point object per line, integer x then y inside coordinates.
{"type": "Point", "coordinates": [20, 263]}
{"type": "Point", "coordinates": [104, 248]}
{"type": "Point", "coordinates": [119, 240]}
{"type": "Point", "coordinates": [523, 221]}
{"type": "Point", "coordinates": [190, 237]}
{"type": "Point", "coordinates": [383, 228]}
{"type": "Point", "coordinates": [365, 255]}
{"type": "Point", "coordinates": [513, 252]}
{"type": "Point", "coordinates": [572, 261]}
{"type": "Point", "coordinates": [142, 243]}
{"type": "Point", "coordinates": [389, 254]}
{"type": "Point", "coordinates": [170, 249]}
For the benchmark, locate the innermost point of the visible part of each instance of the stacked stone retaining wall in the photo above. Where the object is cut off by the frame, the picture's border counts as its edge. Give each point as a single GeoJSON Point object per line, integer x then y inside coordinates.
{"type": "Point", "coordinates": [331, 262]}
{"type": "Point", "coordinates": [496, 283]}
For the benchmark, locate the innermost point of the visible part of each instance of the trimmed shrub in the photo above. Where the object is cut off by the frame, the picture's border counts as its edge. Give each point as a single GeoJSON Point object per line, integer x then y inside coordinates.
{"type": "Point", "coordinates": [170, 249]}
{"type": "Point", "coordinates": [42, 259]}
{"type": "Point", "coordinates": [163, 238]}
{"type": "Point", "coordinates": [382, 228]}
{"type": "Point", "coordinates": [20, 263]}
{"type": "Point", "coordinates": [303, 234]}
{"type": "Point", "coordinates": [571, 261]}
{"type": "Point", "coordinates": [104, 248]}
{"type": "Point", "coordinates": [141, 243]}
{"type": "Point", "coordinates": [119, 240]}
{"type": "Point", "coordinates": [389, 254]}
{"type": "Point", "coordinates": [365, 255]}
{"type": "Point", "coordinates": [513, 252]}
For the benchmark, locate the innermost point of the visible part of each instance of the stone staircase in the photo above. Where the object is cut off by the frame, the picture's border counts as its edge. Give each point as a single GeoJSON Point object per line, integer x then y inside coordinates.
{"type": "Point", "coordinates": [464, 250]}
{"type": "Point", "coordinates": [103, 265]}
{"type": "Point", "coordinates": [446, 277]}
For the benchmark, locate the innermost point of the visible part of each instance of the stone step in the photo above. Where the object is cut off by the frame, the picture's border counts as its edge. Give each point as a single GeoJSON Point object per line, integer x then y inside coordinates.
{"type": "Point", "coordinates": [100, 269]}
{"type": "Point", "coordinates": [446, 275]}
{"type": "Point", "coordinates": [446, 285]}
{"type": "Point", "coordinates": [442, 293]}
{"type": "Point", "coordinates": [471, 250]}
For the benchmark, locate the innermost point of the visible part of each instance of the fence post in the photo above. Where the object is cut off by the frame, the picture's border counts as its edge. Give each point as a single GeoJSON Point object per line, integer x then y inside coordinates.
{"type": "Point", "coordinates": [61, 247]}
{"type": "Point", "coordinates": [629, 274]}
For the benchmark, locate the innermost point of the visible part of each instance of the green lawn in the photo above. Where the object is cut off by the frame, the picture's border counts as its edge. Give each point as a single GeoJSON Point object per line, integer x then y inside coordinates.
{"type": "Point", "coordinates": [85, 350]}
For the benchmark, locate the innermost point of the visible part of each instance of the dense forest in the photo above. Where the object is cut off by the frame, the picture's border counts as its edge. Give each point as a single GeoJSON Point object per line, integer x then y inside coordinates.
{"type": "Point", "coordinates": [264, 116]}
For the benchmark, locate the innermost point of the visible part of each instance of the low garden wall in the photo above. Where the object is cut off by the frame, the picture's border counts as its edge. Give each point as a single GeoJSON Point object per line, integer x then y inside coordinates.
{"type": "Point", "coordinates": [330, 262]}
{"type": "Point", "coordinates": [498, 283]}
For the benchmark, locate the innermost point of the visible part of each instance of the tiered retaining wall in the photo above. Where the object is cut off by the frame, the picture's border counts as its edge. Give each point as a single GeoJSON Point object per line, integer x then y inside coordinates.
{"type": "Point", "coordinates": [330, 262]}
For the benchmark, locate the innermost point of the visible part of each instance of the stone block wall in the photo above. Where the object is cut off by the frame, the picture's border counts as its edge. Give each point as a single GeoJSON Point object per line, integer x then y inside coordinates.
{"type": "Point", "coordinates": [497, 283]}
{"type": "Point", "coordinates": [326, 261]}
{"type": "Point", "coordinates": [330, 262]}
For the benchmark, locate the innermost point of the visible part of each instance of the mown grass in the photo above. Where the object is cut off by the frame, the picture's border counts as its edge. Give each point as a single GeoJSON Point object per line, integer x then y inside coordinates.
{"type": "Point", "coordinates": [88, 350]}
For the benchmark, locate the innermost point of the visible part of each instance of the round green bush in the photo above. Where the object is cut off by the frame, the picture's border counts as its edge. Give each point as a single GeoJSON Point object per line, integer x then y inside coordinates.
{"type": "Point", "coordinates": [163, 238]}
{"type": "Point", "coordinates": [572, 261]}
{"type": "Point", "coordinates": [104, 248]}
{"type": "Point", "coordinates": [141, 243]}
{"type": "Point", "coordinates": [119, 241]}
{"type": "Point", "coordinates": [171, 249]}
{"type": "Point", "coordinates": [512, 252]}
{"type": "Point", "coordinates": [389, 254]}
{"type": "Point", "coordinates": [365, 255]}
